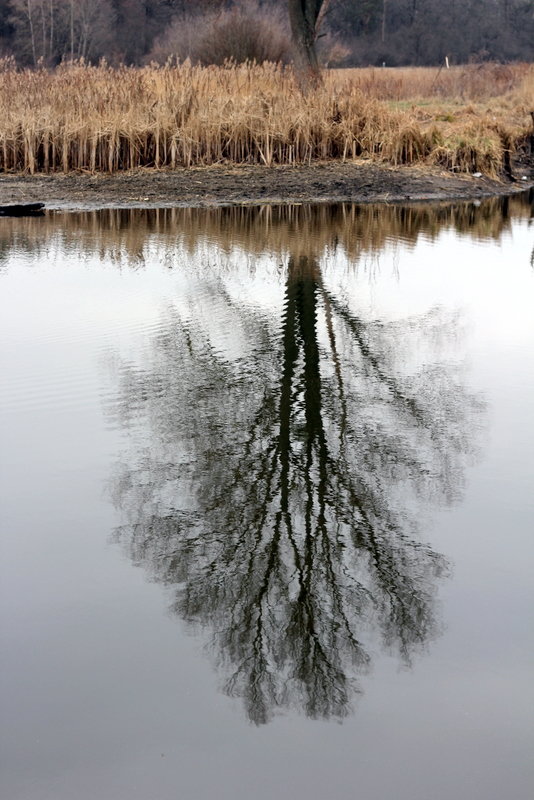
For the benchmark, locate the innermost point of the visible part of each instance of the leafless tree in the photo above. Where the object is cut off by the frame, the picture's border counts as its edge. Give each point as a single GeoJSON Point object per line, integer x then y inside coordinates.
{"type": "Point", "coordinates": [49, 31]}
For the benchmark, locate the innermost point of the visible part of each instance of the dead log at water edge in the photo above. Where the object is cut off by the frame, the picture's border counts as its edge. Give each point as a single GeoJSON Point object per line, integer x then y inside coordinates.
{"type": "Point", "coordinates": [22, 210]}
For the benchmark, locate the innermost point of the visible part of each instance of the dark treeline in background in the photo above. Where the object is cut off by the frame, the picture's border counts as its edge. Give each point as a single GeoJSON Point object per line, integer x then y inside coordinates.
{"type": "Point", "coordinates": [352, 33]}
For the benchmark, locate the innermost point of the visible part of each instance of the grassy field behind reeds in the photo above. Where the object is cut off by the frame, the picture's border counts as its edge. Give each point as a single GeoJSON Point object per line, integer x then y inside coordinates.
{"type": "Point", "coordinates": [103, 119]}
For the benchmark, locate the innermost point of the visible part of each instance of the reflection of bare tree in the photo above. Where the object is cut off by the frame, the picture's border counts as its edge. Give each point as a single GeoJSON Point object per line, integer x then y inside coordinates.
{"type": "Point", "coordinates": [279, 496]}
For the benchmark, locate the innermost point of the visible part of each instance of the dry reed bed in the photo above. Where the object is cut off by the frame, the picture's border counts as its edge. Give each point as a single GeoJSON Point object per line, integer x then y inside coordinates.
{"type": "Point", "coordinates": [102, 119]}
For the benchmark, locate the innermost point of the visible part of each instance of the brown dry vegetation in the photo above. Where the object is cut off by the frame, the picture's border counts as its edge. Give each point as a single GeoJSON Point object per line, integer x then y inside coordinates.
{"type": "Point", "coordinates": [102, 119]}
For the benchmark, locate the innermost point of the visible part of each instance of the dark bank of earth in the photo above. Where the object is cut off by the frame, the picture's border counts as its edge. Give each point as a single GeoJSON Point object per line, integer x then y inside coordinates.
{"type": "Point", "coordinates": [226, 185]}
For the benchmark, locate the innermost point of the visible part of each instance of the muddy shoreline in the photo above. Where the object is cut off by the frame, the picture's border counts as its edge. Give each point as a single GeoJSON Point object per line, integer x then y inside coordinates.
{"type": "Point", "coordinates": [256, 185]}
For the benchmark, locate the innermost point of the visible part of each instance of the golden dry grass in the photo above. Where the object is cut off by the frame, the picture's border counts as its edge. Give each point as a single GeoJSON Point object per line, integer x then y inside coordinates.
{"type": "Point", "coordinates": [80, 117]}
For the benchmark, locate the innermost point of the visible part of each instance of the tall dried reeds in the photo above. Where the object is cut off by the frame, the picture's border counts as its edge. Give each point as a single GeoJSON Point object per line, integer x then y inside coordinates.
{"type": "Point", "coordinates": [80, 117]}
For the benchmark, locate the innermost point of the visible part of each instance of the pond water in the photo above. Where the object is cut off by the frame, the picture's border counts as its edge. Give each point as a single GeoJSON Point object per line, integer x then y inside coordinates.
{"type": "Point", "coordinates": [267, 508]}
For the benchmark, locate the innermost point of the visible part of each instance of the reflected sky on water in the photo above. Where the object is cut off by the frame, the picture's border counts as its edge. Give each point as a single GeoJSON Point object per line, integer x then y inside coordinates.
{"type": "Point", "coordinates": [308, 428]}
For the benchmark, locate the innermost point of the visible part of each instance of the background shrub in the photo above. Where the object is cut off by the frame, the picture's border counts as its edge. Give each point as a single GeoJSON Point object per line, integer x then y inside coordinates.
{"type": "Point", "coordinates": [244, 32]}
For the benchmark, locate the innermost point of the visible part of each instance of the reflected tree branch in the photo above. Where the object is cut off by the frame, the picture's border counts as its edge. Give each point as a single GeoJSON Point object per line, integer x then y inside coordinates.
{"type": "Point", "coordinates": [280, 498]}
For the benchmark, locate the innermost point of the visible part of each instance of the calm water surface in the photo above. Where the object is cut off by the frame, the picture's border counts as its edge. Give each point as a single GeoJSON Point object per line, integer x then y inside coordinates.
{"type": "Point", "coordinates": [267, 507]}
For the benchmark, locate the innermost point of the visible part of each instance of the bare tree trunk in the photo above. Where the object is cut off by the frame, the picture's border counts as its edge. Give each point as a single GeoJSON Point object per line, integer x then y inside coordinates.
{"type": "Point", "coordinates": [51, 50]}
{"type": "Point", "coordinates": [303, 17]}
{"type": "Point", "coordinates": [71, 31]}
{"type": "Point", "coordinates": [43, 29]}
{"type": "Point", "coordinates": [384, 14]}
{"type": "Point", "coordinates": [32, 32]}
